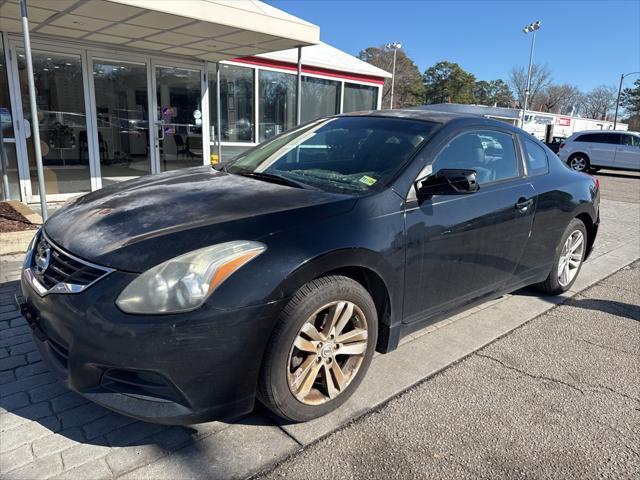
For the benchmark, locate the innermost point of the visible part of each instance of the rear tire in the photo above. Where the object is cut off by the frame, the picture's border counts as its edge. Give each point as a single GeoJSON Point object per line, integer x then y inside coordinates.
{"type": "Point", "coordinates": [320, 349]}
{"type": "Point", "coordinates": [579, 162]}
{"type": "Point", "coordinates": [568, 260]}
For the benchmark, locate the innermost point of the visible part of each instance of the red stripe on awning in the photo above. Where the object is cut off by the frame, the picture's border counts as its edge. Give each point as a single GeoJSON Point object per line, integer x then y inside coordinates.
{"type": "Point", "coordinates": [265, 62]}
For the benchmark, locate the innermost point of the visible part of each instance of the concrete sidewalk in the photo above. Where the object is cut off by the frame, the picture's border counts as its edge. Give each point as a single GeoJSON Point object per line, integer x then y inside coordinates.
{"type": "Point", "coordinates": [557, 398]}
{"type": "Point", "coordinates": [46, 431]}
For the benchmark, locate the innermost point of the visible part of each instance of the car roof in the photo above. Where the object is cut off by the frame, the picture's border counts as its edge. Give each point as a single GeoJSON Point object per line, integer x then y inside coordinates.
{"type": "Point", "coordinates": [603, 132]}
{"type": "Point", "coordinates": [434, 116]}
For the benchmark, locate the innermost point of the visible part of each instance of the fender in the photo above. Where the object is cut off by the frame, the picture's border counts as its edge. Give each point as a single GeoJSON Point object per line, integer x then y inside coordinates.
{"type": "Point", "coordinates": [362, 258]}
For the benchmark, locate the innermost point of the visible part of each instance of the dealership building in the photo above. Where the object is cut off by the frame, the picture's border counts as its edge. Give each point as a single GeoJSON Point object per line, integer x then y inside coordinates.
{"type": "Point", "coordinates": [130, 87]}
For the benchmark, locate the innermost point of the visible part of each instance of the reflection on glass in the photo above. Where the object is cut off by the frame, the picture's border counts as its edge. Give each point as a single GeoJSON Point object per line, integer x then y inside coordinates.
{"type": "Point", "coordinates": [359, 98]}
{"type": "Point", "coordinates": [123, 120]}
{"type": "Point", "coordinates": [9, 179]}
{"type": "Point", "coordinates": [6, 125]}
{"type": "Point", "coordinates": [180, 117]}
{"type": "Point", "coordinates": [277, 103]}
{"type": "Point", "coordinates": [9, 172]}
{"type": "Point", "coordinates": [236, 99]}
{"type": "Point", "coordinates": [319, 98]}
{"type": "Point", "coordinates": [63, 123]}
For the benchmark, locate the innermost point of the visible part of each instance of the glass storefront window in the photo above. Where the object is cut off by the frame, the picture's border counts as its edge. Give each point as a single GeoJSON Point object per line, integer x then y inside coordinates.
{"type": "Point", "coordinates": [277, 96]}
{"type": "Point", "coordinates": [359, 98]}
{"type": "Point", "coordinates": [63, 122]}
{"type": "Point", "coordinates": [9, 178]}
{"type": "Point", "coordinates": [236, 99]}
{"type": "Point", "coordinates": [179, 116]}
{"type": "Point", "coordinates": [123, 119]}
{"type": "Point", "coordinates": [319, 98]}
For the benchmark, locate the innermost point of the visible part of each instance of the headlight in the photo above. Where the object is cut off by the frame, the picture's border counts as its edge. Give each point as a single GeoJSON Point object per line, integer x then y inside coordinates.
{"type": "Point", "coordinates": [184, 283]}
{"type": "Point", "coordinates": [32, 244]}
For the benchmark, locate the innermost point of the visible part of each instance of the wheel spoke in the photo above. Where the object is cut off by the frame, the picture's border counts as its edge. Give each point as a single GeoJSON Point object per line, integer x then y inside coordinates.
{"type": "Point", "coordinates": [311, 331]}
{"type": "Point", "coordinates": [309, 378]}
{"type": "Point", "coordinates": [574, 263]}
{"type": "Point", "coordinates": [576, 243]}
{"type": "Point", "coordinates": [332, 389]}
{"type": "Point", "coordinates": [352, 336]}
{"type": "Point", "coordinates": [339, 375]}
{"type": "Point", "coordinates": [340, 315]}
{"type": "Point", "coordinates": [304, 345]}
{"type": "Point", "coordinates": [355, 348]}
{"type": "Point", "coordinates": [302, 371]}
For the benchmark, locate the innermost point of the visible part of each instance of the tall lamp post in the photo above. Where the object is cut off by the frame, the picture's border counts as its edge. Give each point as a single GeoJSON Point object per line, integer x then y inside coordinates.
{"type": "Point", "coordinates": [532, 27]}
{"type": "Point", "coordinates": [395, 46]}
{"type": "Point", "coordinates": [615, 118]}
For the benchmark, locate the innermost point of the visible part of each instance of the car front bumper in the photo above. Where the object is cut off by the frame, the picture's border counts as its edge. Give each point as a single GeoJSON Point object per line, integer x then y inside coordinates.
{"type": "Point", "coordinates": [173, 369]}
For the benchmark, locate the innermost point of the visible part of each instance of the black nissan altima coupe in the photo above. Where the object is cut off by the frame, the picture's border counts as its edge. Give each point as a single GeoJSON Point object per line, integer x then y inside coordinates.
{"type": "Point", "coordinates": [184, 296]}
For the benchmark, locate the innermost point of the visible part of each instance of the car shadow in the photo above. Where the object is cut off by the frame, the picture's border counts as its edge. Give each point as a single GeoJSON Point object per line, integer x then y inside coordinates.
{"type": "Point", "coordinates": [617, 174]}
{"type": "Point", "coordinates": [621, 309]}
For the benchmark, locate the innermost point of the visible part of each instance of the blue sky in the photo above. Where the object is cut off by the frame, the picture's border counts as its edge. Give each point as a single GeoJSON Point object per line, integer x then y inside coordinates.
{"type": "Point", "coordinates": [586, 43]}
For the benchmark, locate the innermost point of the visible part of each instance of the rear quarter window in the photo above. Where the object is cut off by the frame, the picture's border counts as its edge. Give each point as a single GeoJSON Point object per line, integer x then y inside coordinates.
{"type": "Point", "coordinates": [536, 158]}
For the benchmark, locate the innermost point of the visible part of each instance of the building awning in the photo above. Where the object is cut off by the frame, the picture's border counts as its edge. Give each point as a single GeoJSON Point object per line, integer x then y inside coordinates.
{"type": "Point", "coordinates": [205, 29]}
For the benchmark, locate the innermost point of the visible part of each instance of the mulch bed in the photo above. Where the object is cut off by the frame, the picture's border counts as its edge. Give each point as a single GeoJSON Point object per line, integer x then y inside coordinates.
{"type": "Point", "coordinates": [12, 221]}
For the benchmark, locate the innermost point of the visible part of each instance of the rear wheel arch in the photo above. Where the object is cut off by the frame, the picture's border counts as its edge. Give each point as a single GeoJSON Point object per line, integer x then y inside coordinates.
{"type": "Point", "coordinates": [591, 228]}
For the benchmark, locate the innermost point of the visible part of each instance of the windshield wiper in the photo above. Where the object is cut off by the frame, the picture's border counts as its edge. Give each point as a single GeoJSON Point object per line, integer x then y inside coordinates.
{"type": "Point", "coordinates": [270, 177]}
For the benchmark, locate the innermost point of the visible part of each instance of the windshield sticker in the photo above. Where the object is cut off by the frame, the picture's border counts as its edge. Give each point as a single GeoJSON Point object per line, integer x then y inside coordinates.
{"type": "Point", "coordinates": [367, 180]}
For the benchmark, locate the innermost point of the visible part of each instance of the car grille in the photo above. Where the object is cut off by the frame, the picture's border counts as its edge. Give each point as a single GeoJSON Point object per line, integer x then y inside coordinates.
{"type": "Point", "coordinates": [59, 272]}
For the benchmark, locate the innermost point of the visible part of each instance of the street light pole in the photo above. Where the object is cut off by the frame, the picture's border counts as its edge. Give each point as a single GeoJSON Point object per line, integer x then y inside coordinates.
{"type": "Point", "coordinates": [395, 46]}
{"type": "Point", "coordinates": [533, 27]}
{"type": "Point", "coordinates": [615, 118]}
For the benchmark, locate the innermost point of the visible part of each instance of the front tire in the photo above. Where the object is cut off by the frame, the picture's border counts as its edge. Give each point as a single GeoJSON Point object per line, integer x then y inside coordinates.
{"type": "Point", "coordinates": [320, 349]}
{"type": "Point", "coordinates": [579, 162]}
{"type": "Point", "coordinates": [568, 260]}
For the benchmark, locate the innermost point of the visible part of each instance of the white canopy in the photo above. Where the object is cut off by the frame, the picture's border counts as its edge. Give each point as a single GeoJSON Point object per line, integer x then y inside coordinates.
{"type": "Point", "coordinates": [206, 29]}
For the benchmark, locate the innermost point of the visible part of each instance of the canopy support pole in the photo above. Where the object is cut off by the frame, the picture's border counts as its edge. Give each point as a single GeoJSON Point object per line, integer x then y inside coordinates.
{"type": "Point", "coordinates": [35, 123]}
{"type": "Point", "coordinates": [218, 113]}
{"type": "Point", "coordinates": [299, 89]}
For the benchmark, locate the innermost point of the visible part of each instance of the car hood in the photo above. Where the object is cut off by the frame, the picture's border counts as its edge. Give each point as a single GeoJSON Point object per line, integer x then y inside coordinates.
{"type": "Point", "coordinates": [137, 224]}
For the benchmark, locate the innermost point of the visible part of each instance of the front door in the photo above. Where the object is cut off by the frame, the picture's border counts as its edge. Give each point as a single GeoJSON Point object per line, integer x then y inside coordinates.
{"type": "Point", "coordinates": [178, 116]}
{"type": "Point", "coordinates": [628, 152]}
{"type": "Point", "coordinates": [460, 247]}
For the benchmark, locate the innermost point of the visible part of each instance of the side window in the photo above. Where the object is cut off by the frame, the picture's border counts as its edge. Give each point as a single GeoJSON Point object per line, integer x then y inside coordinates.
{"type": "Point", "coordinates": [491, 154]}
{"type": "Point", "coordinates": [630, 140]}
{"type": "Point", "coordinates": [611, 138]}
{"type": "Point", "coordinates": [537, 162]}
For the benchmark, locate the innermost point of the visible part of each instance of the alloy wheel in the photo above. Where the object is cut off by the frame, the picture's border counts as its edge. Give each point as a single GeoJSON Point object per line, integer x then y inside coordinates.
{"type": "Point", "coordinates": [327, 352]}
{"type": "Point", "coordinates": [579, 163]}
{"type": "Point", "coordinates": [570, 258]}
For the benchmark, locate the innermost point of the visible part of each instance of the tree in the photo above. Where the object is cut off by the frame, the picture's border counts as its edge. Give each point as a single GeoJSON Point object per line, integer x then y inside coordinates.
{"type": "Point", "coordinates": [540, 79]}
{"type": "Point", "coordinates": [408, 90]}
{"type": "Point", "coordinates": [599, 102]}
{"type": "Point", "coordinates": [630, 99]}
{"type": "Point", "coordinates": [563, 99]}
{"type": "Point", "coordinates": [448, 82]}
{"type": "Point", "coordinates": [495, 92]}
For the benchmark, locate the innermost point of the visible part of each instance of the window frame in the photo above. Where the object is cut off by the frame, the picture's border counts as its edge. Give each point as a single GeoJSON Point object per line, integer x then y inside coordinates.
{"type": "Point", "coordinates": [520, 167]}
{"type": "Point", "coordinates": [522, 140]}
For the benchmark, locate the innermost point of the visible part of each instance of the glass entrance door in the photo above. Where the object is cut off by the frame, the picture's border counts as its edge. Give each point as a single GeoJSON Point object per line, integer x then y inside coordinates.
{"type": "Point", "coordinates": [179, 117]}
{"type": "Point", "coordinates": [122, 117]}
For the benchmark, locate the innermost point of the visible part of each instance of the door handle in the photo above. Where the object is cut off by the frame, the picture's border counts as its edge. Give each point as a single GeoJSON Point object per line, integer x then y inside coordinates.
{"type": "Point", "coordinates": [524, 203]}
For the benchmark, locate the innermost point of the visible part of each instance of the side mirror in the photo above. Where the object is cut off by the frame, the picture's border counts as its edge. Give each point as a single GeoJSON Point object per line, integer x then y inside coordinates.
{"type": "Point", "coordinates": [447, 182]}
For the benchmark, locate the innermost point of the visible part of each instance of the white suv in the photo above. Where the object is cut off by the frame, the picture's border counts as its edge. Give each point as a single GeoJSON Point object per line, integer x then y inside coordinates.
{"type": "Point", "coordinates": [601, 148]}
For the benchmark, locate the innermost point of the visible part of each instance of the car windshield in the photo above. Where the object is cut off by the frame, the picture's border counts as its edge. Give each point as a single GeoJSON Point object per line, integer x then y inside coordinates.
{"type": "Point", "coordinates": [340, 154]}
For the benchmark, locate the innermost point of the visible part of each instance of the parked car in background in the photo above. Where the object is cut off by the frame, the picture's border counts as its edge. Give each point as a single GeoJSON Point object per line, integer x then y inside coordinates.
{"type": "Point", "coordinates": [323, 244]}
{"type": "Point", "coordinates": [592, 150]}
{"type": "Point", "coordinates": [554, 144]}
